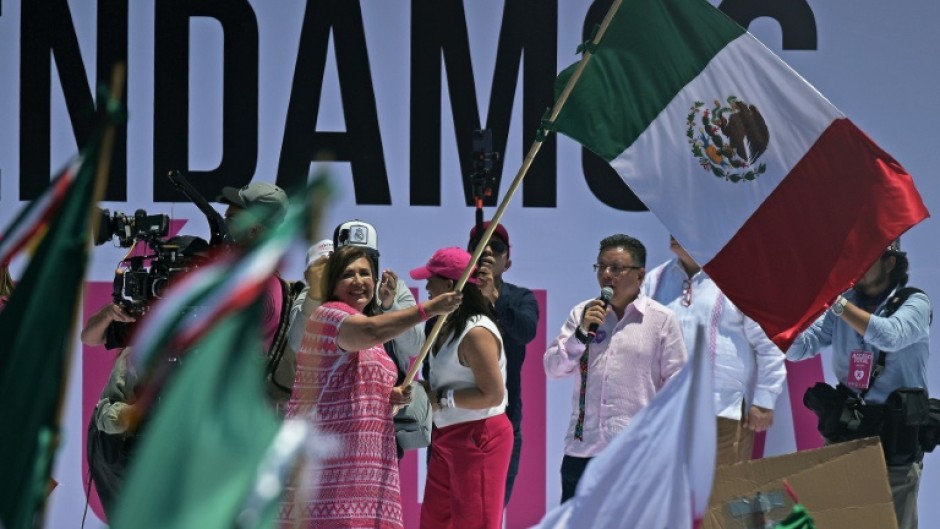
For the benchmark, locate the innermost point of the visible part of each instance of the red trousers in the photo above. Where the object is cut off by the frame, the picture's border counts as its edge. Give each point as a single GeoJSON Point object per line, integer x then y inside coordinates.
{"type": "Point", "coordinates": [466, 478]}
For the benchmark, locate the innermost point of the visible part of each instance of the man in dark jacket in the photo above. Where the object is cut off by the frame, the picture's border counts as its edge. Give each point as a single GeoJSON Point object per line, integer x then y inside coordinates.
{"type": "Point", "coordinates": [517, 314]}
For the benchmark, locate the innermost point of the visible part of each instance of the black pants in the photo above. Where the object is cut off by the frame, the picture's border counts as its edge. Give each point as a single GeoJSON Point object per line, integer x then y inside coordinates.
{"type": "Point", "coordinates": [572, 468]}
{"type": "Point", "coordinates": [514, 460]}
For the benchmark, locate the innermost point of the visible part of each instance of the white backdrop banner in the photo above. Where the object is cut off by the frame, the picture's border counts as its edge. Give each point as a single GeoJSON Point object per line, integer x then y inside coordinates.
{"type": "Point", "coordinates": [384, 95]}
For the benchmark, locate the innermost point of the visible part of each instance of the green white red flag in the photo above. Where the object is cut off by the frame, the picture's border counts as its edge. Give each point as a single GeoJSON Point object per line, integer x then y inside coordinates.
{"type": "Point", "coordinates": [37, 326]}
{"type": "Point", "coordinates": [780, 197]}
{"type": "Point", "coordinates": [214, 454]}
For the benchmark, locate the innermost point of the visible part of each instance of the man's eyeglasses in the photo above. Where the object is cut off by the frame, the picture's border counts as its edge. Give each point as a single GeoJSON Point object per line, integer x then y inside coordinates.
{"type": "Point", "coordinates": [686, 293]}
{"type": "Point", "coordinates": [615, 270]}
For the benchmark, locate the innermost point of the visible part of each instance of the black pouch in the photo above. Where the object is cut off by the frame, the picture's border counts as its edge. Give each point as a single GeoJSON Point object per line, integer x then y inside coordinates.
{"type": "Point", "coordinates": [826, 402]}
{"type": "Point", "coordinates": [906, 411]}
{"type": "Point", "coordinates": [930, 432]}
{"type": "Point", "coordinates": [842, 416]}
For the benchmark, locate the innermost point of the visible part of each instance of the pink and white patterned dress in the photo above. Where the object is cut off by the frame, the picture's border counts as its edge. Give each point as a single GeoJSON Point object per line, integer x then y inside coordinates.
{"type": "Point", "coordinates": [359, 485]}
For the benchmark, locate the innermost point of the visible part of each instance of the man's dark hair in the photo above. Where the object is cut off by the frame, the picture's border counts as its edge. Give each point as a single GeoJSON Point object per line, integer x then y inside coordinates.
{"type": "Point", "coordinates": [899, 274]}
{"type": "Point", "coordinates": [339, 260]}
{"type": "Point", "coordinates": [634, 247]}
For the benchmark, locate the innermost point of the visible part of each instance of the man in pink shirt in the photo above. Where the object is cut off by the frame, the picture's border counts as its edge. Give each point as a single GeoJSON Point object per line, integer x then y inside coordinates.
{"type": "Point", "coordinates": [623, 352]}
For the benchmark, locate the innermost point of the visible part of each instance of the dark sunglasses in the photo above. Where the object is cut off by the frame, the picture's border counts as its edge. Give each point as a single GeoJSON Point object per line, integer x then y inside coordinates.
{"type": "Point", "coordinates": [498, 246]}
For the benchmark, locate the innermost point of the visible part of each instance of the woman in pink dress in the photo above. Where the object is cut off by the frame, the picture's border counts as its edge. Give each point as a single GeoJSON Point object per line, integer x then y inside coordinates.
{"type": "Point", "coordinates": [344, 386]}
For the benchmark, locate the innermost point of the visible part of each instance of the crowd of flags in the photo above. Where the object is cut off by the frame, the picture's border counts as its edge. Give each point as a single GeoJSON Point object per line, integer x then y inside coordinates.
{"type": "Point", "coordinates": [213, 439]}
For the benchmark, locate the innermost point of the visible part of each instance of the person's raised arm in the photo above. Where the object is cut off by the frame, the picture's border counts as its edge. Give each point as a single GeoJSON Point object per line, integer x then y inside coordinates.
{"type": "Point", "coordinates": [361, 332]}
{"type": "Point", "coordinates": [95, 331]}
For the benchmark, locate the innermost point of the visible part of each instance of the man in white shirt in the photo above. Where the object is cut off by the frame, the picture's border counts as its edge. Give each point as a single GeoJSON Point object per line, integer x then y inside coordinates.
{"type": "Point", "coordinates": [749, 369]}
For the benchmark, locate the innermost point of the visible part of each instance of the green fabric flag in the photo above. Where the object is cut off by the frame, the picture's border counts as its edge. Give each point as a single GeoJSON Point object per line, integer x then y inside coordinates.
{"type": "Point", "coordinates": [725, 143]}
{"type": "Point", "coordinates": [798, 519]}
{"type": "Point", "coordinates": [37, 330]}
{"type": "Point", "coordinates": [199, 457]}
{"type": "Point", "coordinates": [214, 454]}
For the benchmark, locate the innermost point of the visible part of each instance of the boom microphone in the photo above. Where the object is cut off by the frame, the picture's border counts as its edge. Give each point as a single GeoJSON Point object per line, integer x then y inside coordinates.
{"type": "Point", "coordinates": [606, 294]}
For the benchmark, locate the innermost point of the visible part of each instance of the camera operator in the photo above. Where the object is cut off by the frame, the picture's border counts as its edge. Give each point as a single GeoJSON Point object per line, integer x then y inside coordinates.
{"type": "Point", "coordinates": [879, 333]}
{"type": "Point", "coordinates": [112, 432]}
{"type": "Point", "coordinates": [252, 210]}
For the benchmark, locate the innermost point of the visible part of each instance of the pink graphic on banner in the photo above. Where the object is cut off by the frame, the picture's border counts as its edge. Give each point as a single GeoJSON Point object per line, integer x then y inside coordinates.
{"type": "Point", "coordinates": [800, 377]}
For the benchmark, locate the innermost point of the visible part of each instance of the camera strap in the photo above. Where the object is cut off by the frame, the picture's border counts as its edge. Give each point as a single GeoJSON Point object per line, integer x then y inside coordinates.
{"type": "Point", "coordinates": [893, 304]}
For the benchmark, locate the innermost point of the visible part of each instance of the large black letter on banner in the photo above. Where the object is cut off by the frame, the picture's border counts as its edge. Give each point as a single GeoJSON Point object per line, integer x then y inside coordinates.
{"type": "Point", "coordinates": [46, 26]}
{"type": "Point", "coordinates": [440, 27]}
{"type": "Point", "coordinates": [796, 19]}
{"type": "Point", "coordinates": [361, 144]}
{"type": "Point", "coordinates": [171, 96]}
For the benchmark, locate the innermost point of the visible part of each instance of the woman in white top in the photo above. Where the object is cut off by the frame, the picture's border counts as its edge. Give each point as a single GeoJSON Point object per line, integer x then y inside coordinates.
{"type": "Point", "coordinates": [472, 439]}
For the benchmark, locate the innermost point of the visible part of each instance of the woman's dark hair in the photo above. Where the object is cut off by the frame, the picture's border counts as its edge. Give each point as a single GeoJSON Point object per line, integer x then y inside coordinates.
{"type": "Point", "coordinates": [473, 304]}
{"type": "Point", "coordinates": [336, 266]}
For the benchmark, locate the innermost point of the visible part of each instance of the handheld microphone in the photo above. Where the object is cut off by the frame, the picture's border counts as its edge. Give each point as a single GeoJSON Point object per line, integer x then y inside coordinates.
{"type": "Point", "coordinates": [606, 294]}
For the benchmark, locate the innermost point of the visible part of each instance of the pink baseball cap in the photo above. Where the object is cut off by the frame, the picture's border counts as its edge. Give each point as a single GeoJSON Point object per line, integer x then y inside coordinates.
{"type": "Point", "coordinates": [446, 262]}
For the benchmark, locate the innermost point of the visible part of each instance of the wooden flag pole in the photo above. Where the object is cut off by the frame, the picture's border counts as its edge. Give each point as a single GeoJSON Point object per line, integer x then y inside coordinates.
{"type": "Point", "coordinates": [513, 188]}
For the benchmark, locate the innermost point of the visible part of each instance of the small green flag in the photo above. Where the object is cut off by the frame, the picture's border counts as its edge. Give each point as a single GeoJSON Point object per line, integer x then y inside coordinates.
{"type": "Point", "coordinates": [798, 519]}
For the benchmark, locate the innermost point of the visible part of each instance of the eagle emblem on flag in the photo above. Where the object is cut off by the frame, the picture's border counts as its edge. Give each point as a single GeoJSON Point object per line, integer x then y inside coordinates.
{"type": "Point", "coordinates": [728, 139]}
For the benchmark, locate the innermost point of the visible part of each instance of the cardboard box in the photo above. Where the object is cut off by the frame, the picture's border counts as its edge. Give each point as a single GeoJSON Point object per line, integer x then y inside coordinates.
{"type": "Point", "coordinates": [842, 486]}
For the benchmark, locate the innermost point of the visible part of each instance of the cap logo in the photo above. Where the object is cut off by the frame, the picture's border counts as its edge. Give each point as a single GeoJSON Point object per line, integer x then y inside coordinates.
{"type": "Point", "coordinates": [358, 235]}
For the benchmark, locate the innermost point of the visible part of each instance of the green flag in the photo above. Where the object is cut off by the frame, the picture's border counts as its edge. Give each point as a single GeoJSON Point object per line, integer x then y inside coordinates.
{"type": "Point", "coordinates": [37, 330]}
{"type": "Point", "coordinates": [199, 458]}
{"type": "Point", "coordinates": [214, 453]}
{"type": "Point", "coordinates": [798, 519]}
{"type": "Point", "coordinates": [725, 143]}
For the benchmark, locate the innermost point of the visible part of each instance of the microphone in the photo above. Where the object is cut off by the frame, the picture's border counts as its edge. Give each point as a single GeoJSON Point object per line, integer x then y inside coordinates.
{"type": "Point", "coordinates": [606, 294]}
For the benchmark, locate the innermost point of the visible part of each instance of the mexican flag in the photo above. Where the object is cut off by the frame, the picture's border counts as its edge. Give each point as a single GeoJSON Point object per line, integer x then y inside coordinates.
{"type": "Point", "coordinates": [781, 198]}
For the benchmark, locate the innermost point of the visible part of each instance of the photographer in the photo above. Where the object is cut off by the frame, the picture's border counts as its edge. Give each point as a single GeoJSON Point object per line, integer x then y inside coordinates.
{"type": "Point", "coordinates": [879, 333]}
{"type": "Point", "coordinates": [112, 431]}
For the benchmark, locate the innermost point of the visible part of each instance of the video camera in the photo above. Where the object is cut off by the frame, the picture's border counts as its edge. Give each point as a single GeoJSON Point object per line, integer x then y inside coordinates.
{"type": "Point", "coordinates": [137, 285]}
{"type": "Point", "coordinates": [129, 229]}
{"type": "Point", "coordinates": [141, 279]}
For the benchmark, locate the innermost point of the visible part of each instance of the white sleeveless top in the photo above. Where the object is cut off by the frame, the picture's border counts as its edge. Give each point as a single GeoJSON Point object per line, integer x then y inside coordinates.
{"type": "Point", "coordinates": [447, 373]}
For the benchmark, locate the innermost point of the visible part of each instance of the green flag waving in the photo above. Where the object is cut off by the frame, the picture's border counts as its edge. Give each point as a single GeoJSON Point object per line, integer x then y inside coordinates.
{"type": "Point", "coordinates": [37, 328]}
{"type": "Point", "coordinates": [213, 454]}
{"type": "Point", "coordinates": [198, 460]}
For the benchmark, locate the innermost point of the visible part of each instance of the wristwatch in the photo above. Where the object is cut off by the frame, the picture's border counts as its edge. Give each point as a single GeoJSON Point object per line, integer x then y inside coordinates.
{"type": "Point", "coordinates": [838, 306]}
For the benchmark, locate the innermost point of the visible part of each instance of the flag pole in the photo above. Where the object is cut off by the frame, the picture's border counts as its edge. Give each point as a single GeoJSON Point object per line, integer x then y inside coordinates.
{"type": "Point", "coordinates": [513, 188]}
{"type": "Point", "coordinates": [102, 169]}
